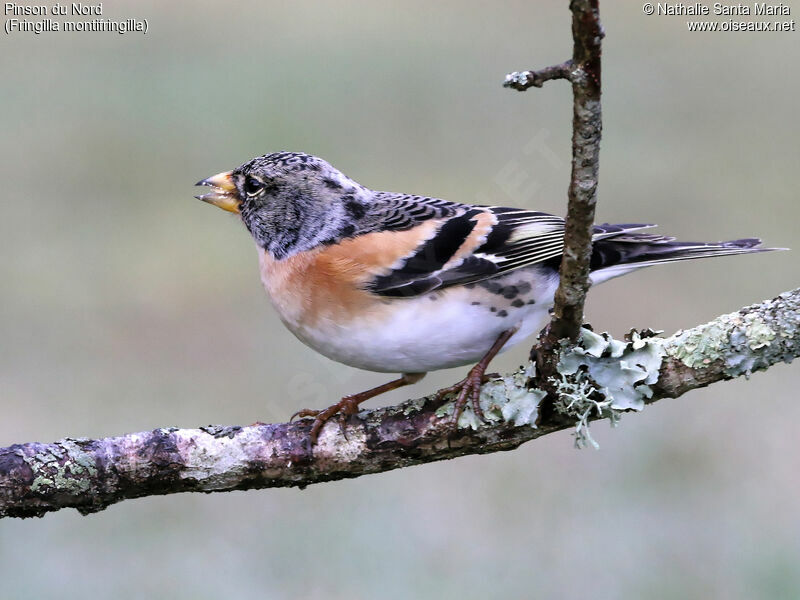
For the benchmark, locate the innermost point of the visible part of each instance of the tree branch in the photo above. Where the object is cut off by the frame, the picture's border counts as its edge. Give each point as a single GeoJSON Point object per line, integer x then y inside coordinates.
{"type": "Point", "coordinates": [586, 129]}
{"type": "Point", "coordinates": [584, 71]}
{"type": "Point", "coordinates": [522, 80]}
{"type": "Point", "coordinates": [90, 475]}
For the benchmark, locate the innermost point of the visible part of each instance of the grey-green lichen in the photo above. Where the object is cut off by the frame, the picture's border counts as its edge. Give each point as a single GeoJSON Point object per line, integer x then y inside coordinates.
{"type": "Point", "coordinates": [576, 399]}
{"type": "Point", "coordinates": [504, 399]}
{"type": "Point", "coordinates": [622, 370]}
{"type": "Point", "coordinates": [600, 375]}
{"type": "Point", "coordinates": [749, 340]}
{"type": "Point", "coordinates": [412, 406]}
{"type": "Point", "coordinates": [62, 466]}
{"type": "Point", "coordinates": [605, 377]}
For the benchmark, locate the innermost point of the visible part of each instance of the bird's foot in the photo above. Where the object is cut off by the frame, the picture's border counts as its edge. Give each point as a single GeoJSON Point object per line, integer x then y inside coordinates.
{"type": "Point", "coordinates": [349, 405]}
{"type": "Point", "coordinates": [344, 408]}
{"type": "Point", "coordinates": [469, 390]}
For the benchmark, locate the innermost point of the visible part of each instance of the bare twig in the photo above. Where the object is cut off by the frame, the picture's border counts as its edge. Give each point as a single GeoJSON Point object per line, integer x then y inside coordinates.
{"type": "Point", "coordinates": [586, 129]}
{"type": "Point", "coordinates": [90, 475]}
{"type": "Point", "coordinates": [522, 80]}
{"type": "Point", "coordinates": [584, 71]}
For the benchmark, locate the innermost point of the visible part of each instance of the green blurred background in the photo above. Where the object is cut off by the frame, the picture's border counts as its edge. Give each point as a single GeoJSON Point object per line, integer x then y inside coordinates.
{"type": "Point", "coordinates": [127, 305]}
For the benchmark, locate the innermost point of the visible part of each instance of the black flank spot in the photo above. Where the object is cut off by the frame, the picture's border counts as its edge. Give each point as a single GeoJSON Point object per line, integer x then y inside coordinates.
{"type": "Point", "coordinates": [491, 286]}
{"type": "Point", "coordinates": [475, 303]}
{"type": "Point", "coordinates": [531, 301]}
{"type": "Point", "coordinates": [517, 303]}
{"type": "Point", "coordinates": [433, 297]}
{"type": "Point", "coordinates": [510, 292]}
{"type": "Point", "coordinates": [523, 287]}
{"type": "Point", "coordinates": [493, 309]}
{"type": "Point", "coordinates": [502, 313]}
{"type": "Point", "coordinates": [348, 230]}
{"type": "Point", "coordinates": [332, 183]}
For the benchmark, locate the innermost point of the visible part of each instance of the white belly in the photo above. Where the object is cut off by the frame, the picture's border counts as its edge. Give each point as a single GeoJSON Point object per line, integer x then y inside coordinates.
{"type": "Point", "coordinates": [453, 327]}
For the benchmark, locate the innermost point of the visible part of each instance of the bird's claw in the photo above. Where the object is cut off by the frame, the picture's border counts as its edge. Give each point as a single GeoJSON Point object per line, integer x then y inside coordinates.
{"type": "Point", "coordinates": [469, 390]}
{"type": "Point", "coordinates": [303, 413]}
{"type": "Point", "coordinates": [346, 407]}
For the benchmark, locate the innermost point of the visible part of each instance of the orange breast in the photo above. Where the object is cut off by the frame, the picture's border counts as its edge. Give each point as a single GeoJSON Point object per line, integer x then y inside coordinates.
{"type": "Point", "coordinates": [326, 285]}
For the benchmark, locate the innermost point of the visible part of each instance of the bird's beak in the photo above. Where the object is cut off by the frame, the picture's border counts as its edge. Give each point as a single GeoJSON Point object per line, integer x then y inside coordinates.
{"type": "Point", "coordinates": [223, 192]}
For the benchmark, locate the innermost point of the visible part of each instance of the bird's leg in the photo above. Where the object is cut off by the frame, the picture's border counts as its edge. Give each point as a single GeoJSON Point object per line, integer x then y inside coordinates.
{"type": "Point", "coordinates": [469, 388]}
{"type": "Point", "coordinates": [349, 404]}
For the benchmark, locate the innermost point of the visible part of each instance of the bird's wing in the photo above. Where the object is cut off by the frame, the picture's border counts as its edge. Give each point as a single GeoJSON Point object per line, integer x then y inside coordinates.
{"type": "Point", "coordinates": [472, 243]}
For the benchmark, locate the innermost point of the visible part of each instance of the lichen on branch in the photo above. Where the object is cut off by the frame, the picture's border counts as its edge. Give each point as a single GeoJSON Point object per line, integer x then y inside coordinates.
{"type": "Point", "coordinates": [90, 475]}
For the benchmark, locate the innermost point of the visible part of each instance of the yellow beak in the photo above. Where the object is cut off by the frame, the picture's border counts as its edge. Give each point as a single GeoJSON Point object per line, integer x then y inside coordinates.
{"type": "Point", "coordinates": [223, 192]}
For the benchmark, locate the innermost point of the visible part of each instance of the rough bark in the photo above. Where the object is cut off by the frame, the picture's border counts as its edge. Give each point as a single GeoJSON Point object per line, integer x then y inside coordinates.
{"type": "Point", "coordinates": [584, 72]}
{"type": "Point", "coordinates": [90, 475]}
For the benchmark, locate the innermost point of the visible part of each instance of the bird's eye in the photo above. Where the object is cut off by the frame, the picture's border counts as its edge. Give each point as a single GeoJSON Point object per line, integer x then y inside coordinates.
{"type": "Point", "coordinates": [253, 186]}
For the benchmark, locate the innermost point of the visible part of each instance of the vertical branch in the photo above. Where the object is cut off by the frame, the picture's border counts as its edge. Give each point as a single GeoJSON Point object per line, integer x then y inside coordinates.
{"type": "Point", "coordinates": [583, 71]}
{"type": "Point", "coordinates": [586, 128]}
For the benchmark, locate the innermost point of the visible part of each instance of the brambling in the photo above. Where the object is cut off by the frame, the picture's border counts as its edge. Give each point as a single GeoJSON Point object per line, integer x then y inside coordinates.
{"type": "Point", "coordinates": [408, 284]}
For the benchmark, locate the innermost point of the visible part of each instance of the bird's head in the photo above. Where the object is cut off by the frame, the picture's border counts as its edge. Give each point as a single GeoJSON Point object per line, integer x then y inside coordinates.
{"type": "Point", "coordinates": [290, 201]}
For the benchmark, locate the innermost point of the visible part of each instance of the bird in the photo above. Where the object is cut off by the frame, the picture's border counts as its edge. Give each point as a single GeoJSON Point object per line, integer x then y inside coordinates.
{"type": "Point", "coordinates": [402, 283]}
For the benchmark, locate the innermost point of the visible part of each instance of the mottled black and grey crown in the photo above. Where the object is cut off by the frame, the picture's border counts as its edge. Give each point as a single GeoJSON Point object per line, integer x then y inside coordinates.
{"type": "Point", "coordinates": [286, 162]}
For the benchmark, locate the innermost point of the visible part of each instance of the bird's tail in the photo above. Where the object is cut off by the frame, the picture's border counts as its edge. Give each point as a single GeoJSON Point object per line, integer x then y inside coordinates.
{"type": "Point", "coordinates": [616, 255]}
